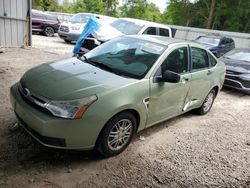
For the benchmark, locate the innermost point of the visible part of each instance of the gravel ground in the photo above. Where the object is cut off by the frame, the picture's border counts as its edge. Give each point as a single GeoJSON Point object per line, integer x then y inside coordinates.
{"type": "Point", "coordinates": [186, 151]}
{"type": "Point", "coordinates": [51, 44]}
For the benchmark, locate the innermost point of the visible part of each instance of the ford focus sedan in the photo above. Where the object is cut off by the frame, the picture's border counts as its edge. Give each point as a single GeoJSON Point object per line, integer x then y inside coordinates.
{"type": "Point", "coordinates": [100, 100]}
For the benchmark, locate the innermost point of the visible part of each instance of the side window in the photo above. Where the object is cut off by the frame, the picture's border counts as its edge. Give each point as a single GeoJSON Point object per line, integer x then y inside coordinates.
{"type": "Point", "coordinates": [176, 61]}
{"type": "Point", "coordinates": [38, 16]}
{"type": "Point", "coordinates": [213, 62]}
{"type": "Point", "coordinates": [150, 31]}
{"type": "Point", "coordinates": [199, 58]}
{"type": "Point", "coordinates": [164, 32]}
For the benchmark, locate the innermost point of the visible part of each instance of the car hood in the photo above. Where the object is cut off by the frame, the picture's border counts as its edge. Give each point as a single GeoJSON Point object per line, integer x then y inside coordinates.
{"type": "Point", "coordinates": [71, 79]}
{"type": "Point", "coordinates": [237, 66]}
{"type": "Point", "coordinates": [106, 32]}
{"type": "Point", "coordinates": [208, 46]}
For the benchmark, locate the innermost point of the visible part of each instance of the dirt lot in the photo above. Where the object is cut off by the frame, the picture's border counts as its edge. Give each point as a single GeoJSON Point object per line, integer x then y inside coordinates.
{"type": "Point", "coordinates": [187, 151]}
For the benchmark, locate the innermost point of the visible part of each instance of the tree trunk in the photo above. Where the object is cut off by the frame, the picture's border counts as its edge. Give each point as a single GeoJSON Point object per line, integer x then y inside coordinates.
{"type": "Point", "coordinates": [211, 14]}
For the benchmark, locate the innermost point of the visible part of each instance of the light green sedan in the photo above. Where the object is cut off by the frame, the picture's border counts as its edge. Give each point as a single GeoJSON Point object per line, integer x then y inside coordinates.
{"type": "Point", "coordinates": [101, 99]}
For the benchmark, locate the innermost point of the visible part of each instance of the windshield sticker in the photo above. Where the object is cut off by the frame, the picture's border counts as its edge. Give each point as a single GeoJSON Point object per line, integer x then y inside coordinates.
{"type": "Point", "coordinates": [152, 48]}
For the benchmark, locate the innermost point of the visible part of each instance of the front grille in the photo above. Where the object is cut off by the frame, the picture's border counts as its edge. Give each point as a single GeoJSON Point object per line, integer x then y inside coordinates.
{"type": "Point", "coordinates": [44, 139]}
{"type": "Point", "coordinates": [235, 78]}
{"type": "Point", "coordinates": [64, 28]}
{"type": "Point", "coordinates": [232, 83]}
{"type": "Point", "coordinates": [32, 99]}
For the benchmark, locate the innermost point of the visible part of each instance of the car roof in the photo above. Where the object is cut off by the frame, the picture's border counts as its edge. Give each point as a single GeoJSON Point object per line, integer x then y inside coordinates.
{"type": "Point", "coordinates": [144, 22]}
{"type": "Point", "coordinates": [165, 41]}
{"type": "Point", "coordinates": [43, 13]}
{"type": "Point", "coordinates": [159, 39]}
{"type": "Point", "coordinates": [214, 36]}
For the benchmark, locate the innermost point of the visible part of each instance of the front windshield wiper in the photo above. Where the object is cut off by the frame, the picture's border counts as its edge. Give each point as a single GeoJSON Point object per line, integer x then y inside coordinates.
{"type": "Point", "coordinates": [100, 65]}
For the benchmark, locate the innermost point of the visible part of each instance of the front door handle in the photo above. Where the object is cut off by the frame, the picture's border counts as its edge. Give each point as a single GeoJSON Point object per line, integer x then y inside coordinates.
{"type": "Point", "coordinates": [209, 72]}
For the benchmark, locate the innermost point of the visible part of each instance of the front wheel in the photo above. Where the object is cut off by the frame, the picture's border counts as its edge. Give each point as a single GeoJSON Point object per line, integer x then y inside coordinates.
{"type": "Point", "coordinates": [208, 103]}
{"type": "Point", "coordinates": [67, 41]}
{"type": "Point", "coordinates": [49, 31]}
{"type": "Point", "coordinates": [116, 135]}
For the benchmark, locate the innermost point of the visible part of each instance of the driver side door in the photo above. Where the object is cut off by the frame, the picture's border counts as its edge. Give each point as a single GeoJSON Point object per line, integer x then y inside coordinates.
{"type": "Point", "coordinates": [167, 99]}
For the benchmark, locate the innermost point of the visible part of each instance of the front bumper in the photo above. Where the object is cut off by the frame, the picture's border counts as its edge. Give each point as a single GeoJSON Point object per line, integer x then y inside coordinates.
{"type": "Point", "coordinates": [68, 36]}
{"type": "Point", "coordinates": [236, 84]}
{"type": "Point", "coordinates": [55, 132]}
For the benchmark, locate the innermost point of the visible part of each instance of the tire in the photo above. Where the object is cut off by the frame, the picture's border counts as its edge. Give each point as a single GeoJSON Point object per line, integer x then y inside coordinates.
{"type": "Point", "coordinates": [67, 41]}
{"type": "Point", "coordinates": [116, 135]}
{"type": "Point", "coordinates": [49, 31]}
{"type": "Point", "coordinates": [208, 103]}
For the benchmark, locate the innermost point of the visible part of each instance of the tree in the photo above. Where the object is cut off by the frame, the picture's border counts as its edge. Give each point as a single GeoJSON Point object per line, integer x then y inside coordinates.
{"type": "Point", "coordinates": [111, 7]}
{"type": "Point", "coordinates": [141, 9]}
{"type": "Point", "coordinates": [179, 12]}
{"type": "Point", "coordinates": [211, 14]}
{"type": "Point", "coordinates": [92, 6]}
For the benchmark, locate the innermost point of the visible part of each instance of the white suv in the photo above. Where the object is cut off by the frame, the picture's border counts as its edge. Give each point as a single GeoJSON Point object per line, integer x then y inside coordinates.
{"type": "Point", "coordinates": [71, 30]}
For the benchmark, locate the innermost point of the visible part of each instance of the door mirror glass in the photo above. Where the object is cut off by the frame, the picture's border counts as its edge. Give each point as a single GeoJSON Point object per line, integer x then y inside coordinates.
{"type": "Point", "coordinates": [169, 76]}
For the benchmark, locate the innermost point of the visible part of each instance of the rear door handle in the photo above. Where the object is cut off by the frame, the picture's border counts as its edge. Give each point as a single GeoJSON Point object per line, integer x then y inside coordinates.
{"type": "Point", "coordinates": [184, 80]}
{"type": "Point", "coordinates": [209, 72]}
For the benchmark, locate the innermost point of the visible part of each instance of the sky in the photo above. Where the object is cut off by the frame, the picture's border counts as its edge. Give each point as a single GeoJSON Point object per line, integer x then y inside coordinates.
{"type": "Point", "coordinates": [161, 4]}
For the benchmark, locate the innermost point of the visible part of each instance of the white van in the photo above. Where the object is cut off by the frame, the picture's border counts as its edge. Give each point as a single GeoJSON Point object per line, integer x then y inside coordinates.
{"type": "Point", "coordinates": [71, 30]}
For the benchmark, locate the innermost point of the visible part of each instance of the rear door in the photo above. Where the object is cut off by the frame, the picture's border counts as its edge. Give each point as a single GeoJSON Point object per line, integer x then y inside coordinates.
{"type": "Point", "coordinates": [37, 21]}
{"type": "Point", "coordinates": [167, 99]}
{"type": "Point", "coordinates": [201, 78]}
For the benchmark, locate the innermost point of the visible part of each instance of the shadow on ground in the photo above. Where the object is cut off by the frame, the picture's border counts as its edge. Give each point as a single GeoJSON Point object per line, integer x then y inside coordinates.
{"type": "Point", "coordinates": [20, 150]}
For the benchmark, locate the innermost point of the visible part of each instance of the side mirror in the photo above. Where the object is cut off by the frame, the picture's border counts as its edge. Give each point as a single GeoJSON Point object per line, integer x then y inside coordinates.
{"type": "Point", "coordinates": [169, 76]}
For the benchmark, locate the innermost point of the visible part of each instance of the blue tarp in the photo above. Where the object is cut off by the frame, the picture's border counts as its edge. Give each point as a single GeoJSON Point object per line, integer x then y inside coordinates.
{"type": "Point", "coordinates": [90, 26]}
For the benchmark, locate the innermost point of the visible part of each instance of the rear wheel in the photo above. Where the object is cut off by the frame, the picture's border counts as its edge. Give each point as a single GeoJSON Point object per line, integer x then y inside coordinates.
{"type": "Point", "coordinates": [116, 135]}
{"type": "Point", "coordinates": [208, 103]}
{"type": "Point", "coordinates": [49, 31]}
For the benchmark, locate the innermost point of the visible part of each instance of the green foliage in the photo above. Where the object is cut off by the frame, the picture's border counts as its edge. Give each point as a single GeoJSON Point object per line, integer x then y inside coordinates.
{"type": "Point", "coordinates": [141, 9]}
{"type": "Point", "coordinates": [46, 5]}
{"type": "Point", "coordinates": [179, 12]}
{"type": "Point", "coordinates": [111, 7]}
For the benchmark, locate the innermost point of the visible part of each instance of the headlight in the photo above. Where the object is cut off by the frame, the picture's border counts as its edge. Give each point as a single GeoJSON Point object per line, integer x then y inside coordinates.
{"type": "Point", "coordinates": [245, 77]}
{"type": "Point", "coordinates": [70, 109]}
{"type": "Point", "coordinates": [76, 27]}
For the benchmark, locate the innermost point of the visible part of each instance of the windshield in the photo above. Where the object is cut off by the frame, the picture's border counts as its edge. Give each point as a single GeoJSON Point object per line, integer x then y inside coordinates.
{"type": "Point", "coordinates": [239, 54]}
{"type": "Point", "coordinates": [209, 41]}
{"type": "Point", "coordinates": [129, 57]}
{"type": "Point", "coordinates": [127, 27]}
{"type": "Point", "coordinates": [80, 18]}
